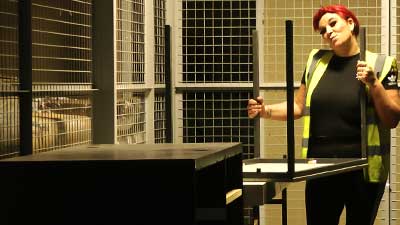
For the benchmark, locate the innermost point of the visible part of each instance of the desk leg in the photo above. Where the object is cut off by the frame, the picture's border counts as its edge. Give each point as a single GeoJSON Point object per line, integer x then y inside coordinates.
{"type": "Point", "coordinates": [282, 201]}
{"type": "Point", "coordinates": [256, 215]}
{"type": "Point", "coordinates": [284, 207]}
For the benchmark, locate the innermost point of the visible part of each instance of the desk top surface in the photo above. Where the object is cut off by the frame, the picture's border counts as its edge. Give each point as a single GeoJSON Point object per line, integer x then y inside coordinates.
{"type": "Point", "coordinates": [202, 154]}
{"type": "Point", "coordinates": [278, 169]}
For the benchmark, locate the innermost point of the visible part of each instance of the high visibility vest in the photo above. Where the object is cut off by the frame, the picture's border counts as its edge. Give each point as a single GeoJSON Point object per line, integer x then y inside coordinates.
{"type": "Point", "coordinates": [378, 146]}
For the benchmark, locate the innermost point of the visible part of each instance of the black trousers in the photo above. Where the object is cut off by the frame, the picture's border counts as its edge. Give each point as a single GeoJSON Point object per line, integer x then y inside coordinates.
{"type": "Point", "coordinates": [326, 198]}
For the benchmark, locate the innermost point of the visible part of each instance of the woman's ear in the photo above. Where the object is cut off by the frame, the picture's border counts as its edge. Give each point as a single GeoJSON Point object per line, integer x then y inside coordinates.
{"type": "Point", "coordinates": [351, 24]}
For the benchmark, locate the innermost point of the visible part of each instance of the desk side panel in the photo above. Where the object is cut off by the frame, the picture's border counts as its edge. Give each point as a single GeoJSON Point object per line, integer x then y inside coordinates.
{"type": "Point", "coordinates": [121, 192]}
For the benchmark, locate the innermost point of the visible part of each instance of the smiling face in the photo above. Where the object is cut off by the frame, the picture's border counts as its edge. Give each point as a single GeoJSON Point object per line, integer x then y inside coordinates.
{"type": "Point", "coordinates": [336, 31]}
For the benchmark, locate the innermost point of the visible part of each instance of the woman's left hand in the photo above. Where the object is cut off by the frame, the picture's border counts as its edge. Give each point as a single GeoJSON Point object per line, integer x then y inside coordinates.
{"type": "Point", "coordinates": [365, 73]}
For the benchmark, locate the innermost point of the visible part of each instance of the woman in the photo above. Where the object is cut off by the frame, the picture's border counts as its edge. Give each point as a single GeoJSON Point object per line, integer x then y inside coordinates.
{"type": "Point", "coordinates": [329, 101]}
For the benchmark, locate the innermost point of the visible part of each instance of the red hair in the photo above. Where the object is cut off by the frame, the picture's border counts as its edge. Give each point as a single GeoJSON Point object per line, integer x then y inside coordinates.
{"type": "Point", "coordinates": [341, 10]}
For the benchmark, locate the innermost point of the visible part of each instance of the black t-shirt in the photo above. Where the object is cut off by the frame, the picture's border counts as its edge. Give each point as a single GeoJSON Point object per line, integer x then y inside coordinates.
{"type": "Point", "coordinates": [335, 110]}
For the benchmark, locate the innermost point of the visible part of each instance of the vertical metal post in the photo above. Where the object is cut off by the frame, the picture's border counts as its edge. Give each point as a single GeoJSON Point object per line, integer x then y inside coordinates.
{"type": "Point", "coordinates": [256, 92]}
{"type": "Point", "coordinates": [363, 96]}
{"type": "Point", "coordinates": [25, 77]}
{"type": "Point", "coordinates": [104, 100]}
{"type": "Point", "coordinates": [284, 206]}
{"type": "Point", "coordinates": [168, 86]}
{"type": "Point", "coordinates": [289, 97]}
{"type": "Point", "coordinates": [363, 42]}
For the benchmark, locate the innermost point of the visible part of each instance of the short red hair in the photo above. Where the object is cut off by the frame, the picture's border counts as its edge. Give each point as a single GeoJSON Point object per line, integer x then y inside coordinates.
{"type": "Point", "coordinates": [341, 10]}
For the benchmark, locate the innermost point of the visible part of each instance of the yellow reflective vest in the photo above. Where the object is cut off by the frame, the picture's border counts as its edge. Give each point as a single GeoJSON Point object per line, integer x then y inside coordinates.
{"type": "Point", "coordinates": [378, 147]}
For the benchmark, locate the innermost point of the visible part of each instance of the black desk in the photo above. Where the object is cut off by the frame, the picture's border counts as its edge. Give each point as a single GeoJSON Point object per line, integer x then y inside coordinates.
{"type": "Point", "coordinates": [124, 184]}
{"type": "Point", "coordinates": [265, 179]}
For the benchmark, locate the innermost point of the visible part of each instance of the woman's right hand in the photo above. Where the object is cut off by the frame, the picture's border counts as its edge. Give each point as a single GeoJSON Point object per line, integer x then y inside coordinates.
{"type": "Point", "coordinates": [255, 107]}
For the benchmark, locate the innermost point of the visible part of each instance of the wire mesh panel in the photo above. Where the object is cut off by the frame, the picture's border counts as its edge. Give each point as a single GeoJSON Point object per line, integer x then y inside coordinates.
{"type": "Point", "coordinates": [130, 49]}
{"type": "Point", "coordinates": [159, 41]}
{"type": "Point", "coordinates": [218, 117]}
{"type": "Point", "coordinates": [8, 46]}
{"type": "Point", "coordinates": [9, 82]}
{"type": "Point", "coordinates": [159, 71]}
{"type": "Point", "coordinates": [305, 38]}
{"type": "Point", "coordinates": [131, 126]}
{"type": "Point", "coordinates": [61, 42]}
{"type": "Point", "coordinates": [217, 41]}
{"type": "Point", "coordinates": [217, 48]}
{"type": "Point", "coordinates": [159, 119]}
{"type": "Point", "coordinates": [60, 121]}
{"type": "Point", "coordinates": [61, 73]}
{"type": "Point", "coordinates": [395, 27]}
{"type": "Point", "coordinates": [394, 181]}
{"type": "Point", "coordinates": [130, 42]}
{"type": "Point", "coordinates": [9, 126]}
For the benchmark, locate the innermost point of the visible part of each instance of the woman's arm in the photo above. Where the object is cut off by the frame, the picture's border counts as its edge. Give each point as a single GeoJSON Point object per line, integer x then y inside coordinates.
{"type": "Point", "coordinates": [277, 111]}
{"type": "Point", "coordinates": [386, 102]}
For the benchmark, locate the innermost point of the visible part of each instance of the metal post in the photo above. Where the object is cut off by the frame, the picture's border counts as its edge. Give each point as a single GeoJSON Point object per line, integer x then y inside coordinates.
{"type": "Point", "coordinates": [104, 100]}
{"type": "Point", "coordinates": [168, 87]}
{"type": "Point", "coordinates": [256, 93]}
{"type": "Point", "coordinates": [363, 97]}
{"type": "Point", "coordinates": [25, 78]}
{"type": "Point", "coordinates": [289, 97]}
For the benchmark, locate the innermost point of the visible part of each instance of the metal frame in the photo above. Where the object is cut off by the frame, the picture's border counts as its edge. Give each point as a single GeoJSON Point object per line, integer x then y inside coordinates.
{"type": "Point", "coordinates": [340, 165]}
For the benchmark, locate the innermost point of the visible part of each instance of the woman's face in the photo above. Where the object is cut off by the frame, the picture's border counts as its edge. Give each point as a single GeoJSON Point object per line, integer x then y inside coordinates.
{"type": "Point", "coordinates": [335, 30]}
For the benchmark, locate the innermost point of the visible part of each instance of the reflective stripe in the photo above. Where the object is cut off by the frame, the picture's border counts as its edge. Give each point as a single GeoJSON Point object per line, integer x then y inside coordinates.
{"type": "Point", "coordinates": [374, 150]}
{"type": "Point", "coordinates": [306, 111]}
{"type": "Point", "coordinates": [373, 135]}
{"type": "Point", "coordinates": [321, 65]}
{"type": "Point", "coordinates": [378, 149]}
{"type": "Point", "coordinates": [376, 171]}
{"type": "Point", "coordinates": [310, 61]}
{"type": "Point", "coordinates": [318, 72]}
{"type": "Point", "coordinates": [311, 68]}
{"type": "Point", "coordinates": [304, 152]}
{"type": "Point", "coordinates": [306, 128]}
{"type": "Point", "coordinates": [304, 142]}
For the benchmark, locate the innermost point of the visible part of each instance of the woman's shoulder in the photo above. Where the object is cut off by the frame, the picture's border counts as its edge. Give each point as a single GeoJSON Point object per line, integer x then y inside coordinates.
{"type": "Point", "coordinates": [316, 54]}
